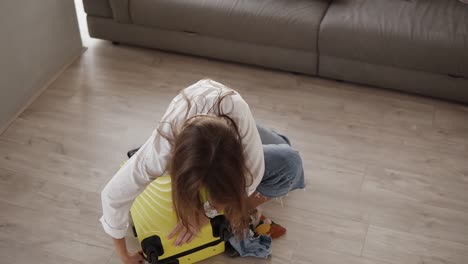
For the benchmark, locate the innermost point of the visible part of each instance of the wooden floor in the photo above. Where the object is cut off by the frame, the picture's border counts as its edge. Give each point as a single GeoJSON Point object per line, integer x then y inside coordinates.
{"type": "Point", "coordinates": [387, 173]}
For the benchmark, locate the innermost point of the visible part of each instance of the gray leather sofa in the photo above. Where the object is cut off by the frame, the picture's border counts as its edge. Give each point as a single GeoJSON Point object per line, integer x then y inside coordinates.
{"type": "Point", "coordinates": [418, 46]}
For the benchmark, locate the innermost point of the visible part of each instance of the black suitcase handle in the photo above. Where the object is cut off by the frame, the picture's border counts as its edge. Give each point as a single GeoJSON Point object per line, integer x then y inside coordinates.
{"type": "Point", "coordinates": [132, 152]}
{"type": "Point", "coordinates": [220, 227]}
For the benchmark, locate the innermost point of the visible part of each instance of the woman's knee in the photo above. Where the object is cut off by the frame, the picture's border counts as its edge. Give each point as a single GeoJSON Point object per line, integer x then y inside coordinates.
{"type": "Point", "coordinates": [283, 157]}
{"type": "Point", "coordinates": [293, 160]}
{"type": "Point", "coordinates": [268, 136]}
{"type": "Point", "coordinates": [283, 171]}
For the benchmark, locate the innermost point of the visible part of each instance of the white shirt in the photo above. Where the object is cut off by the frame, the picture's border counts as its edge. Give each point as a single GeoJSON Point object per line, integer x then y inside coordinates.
{"type": "Point", "coordinates": [153, 157]}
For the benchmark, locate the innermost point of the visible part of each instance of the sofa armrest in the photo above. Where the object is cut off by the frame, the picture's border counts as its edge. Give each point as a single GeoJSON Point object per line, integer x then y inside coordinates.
{"type": "Point", "coordinates": [99, 8]}
{"type": "Point", "coordinates": [120, 11]}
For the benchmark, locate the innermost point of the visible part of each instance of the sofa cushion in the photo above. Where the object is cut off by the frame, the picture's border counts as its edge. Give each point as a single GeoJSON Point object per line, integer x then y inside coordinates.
{"type": "Point", "coordinates": [99, 8]}
{"type": "Point", "coordinates": [426, 35]}
{"type": "Point", "coordinates": [120, 11]}
{"type": "Point", "coordinates": [284, 23]}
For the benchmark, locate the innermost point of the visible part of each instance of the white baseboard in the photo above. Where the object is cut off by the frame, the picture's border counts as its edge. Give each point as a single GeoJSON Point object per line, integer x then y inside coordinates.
{"type": "Point", "coordinates": [41, 90]}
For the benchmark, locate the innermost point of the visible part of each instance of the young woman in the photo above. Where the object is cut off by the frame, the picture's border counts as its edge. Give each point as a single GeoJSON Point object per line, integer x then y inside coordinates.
{"type": "Point", "coordinates": [206, 139]}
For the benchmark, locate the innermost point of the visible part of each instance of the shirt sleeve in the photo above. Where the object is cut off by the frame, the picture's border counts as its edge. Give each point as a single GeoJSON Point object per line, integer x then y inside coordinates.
{"type": "Point", "coordinates": [240, 112]}
{"type": "Point", "coordinates": [120, 192]}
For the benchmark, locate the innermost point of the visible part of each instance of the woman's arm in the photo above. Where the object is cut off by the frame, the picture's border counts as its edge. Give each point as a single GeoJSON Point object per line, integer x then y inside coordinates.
{"type": "Point", "coordinates": [125, 256]}
{"type": "Point", "coordinates": [120, 192]}
{"type": "Point", "coordinates": [240, 113]}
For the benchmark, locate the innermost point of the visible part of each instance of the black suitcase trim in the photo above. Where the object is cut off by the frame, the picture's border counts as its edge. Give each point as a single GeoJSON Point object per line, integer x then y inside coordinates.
{"type": "Point", "coordinates": [173, 259]}
{"type": "Point", "coordinates": [153, 249]}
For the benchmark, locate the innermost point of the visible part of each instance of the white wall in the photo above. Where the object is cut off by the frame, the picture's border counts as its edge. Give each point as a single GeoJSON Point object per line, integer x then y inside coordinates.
{"type": "Point", "coordinates": [37, 38]}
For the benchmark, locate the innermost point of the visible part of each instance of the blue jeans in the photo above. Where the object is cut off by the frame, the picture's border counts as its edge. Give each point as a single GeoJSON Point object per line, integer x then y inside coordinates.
{"type": "Point", "coordinates": [283, 165]}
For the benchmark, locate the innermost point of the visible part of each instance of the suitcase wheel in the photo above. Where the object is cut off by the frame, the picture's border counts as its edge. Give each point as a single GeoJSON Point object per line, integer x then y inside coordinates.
{"type": "Point", "coordinates": [152, 247]}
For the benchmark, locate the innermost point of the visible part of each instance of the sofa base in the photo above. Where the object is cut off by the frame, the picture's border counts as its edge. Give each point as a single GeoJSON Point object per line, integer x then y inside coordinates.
{"type": "Point", "coordinates": [416, 82]}
{"type": "Point", "coordinates": [299, 61]}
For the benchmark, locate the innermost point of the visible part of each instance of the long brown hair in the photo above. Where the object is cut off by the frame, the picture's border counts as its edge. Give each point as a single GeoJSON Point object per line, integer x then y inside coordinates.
{"type": "Point", "coordinates": [207, 153]}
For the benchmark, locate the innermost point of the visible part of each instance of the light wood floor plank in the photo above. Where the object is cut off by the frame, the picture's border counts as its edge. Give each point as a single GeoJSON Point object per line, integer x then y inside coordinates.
{"type": "Point", "coordinates": [310, 230]}
{"type": "Point", "coordinates": [403, 248]}
{"type": "Point", "coordinates": [45, 232]}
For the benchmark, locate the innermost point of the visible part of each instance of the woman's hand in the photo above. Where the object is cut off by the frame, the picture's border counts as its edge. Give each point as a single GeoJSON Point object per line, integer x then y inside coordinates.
{"type": "Point", "coordinates": [186, 235]}
{"type": "Point", "coordinates": [134, 258]}
{"type": "Point", "coordinates": [124, 255]}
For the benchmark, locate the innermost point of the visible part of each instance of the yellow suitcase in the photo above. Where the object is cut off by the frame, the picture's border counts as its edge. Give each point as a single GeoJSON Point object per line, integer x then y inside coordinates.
{"type": "Point", "coordinates": [154, 218]}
